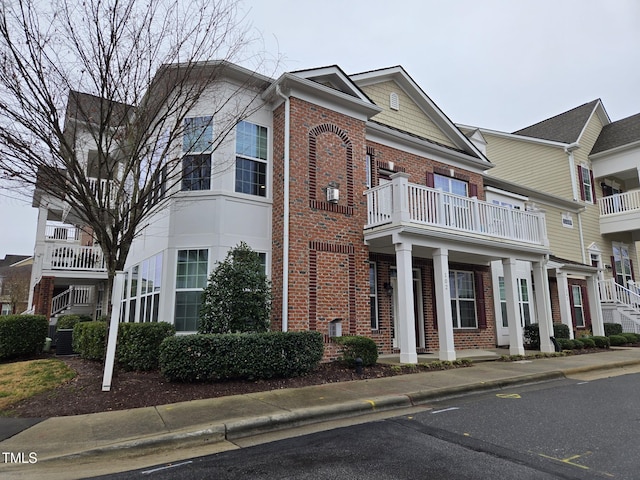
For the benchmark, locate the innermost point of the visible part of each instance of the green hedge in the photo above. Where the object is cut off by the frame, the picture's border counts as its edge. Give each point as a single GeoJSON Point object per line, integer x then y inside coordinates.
{"type": "Point", "coordinates": [588, 342]}
{"type": "Point", "coordinates": [612, 329]}
{"type": "Point", "coordinates": [22, 335]}
{"type": "Point", "coordinates": [532, 333]}
{"type": "Point", "coordinates": [139, 344]}
{"type": "Point", "coordinates": [70, 321]}
{"type": "Point", "coordinates": [631, 337]}
{"type": "Point", "coordinates": [352, 347]}
{"type": "Point", "coordinates": [617, 340]}
{"type": "Point", "coordinates": [210, 357]}
{"type": "Point", "coordinates": [601, 342]}
{"type": "Point", "coordinates": [89, 339]}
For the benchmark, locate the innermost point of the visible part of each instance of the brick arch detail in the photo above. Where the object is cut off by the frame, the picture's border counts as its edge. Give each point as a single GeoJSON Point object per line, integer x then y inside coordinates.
{"type": "Point", "coordinates": [313, 161]}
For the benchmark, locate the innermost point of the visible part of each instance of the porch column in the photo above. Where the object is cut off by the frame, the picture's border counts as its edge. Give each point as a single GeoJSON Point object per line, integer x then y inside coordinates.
{"type": "Point", "coordinates": [543, 306]}
{"type": "Point", "coordinates": [516, 346]}
{"type": "Point", "coordinates": [443, 304]}
{"type": "Point", "coordinates": [565, 303]}
{"type": "Point", "coordinates": [595, 308]}
{"type": "Point", "coordinates": [406, 316]}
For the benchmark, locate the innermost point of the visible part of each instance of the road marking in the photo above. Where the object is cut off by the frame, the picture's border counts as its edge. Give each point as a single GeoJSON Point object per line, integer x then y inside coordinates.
{"type": "Point", "coordinates": [568, 461]}
{"type": "Point", "coordinates": [581, 383]}
{"type": "Point", "coordinates": [508, 395]}
{"type": "Point", "coordinates": [147, 472]}
{"type": "Point", "coordinates": [445, 410]}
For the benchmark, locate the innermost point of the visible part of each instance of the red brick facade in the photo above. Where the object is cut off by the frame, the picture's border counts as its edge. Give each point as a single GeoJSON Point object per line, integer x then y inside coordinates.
{"type": "Point", "coordinates": [42, 296]}
{"type": "Point", "coordinates": [328, 260]}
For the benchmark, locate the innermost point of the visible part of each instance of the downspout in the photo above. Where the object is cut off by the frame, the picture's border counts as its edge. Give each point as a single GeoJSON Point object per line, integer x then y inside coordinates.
{"type": "Point", "coordinates": [285, 231]}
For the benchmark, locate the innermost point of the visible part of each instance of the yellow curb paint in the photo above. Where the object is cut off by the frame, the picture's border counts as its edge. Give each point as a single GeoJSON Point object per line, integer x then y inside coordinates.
{"type": "Point", "coordinates": [508, 395]}
{"type": "Point", "coordinates": [372, 403]}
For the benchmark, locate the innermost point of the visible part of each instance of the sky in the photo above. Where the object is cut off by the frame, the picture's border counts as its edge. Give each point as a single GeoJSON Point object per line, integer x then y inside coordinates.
{"type": "Point", "coordinates": [497, 64]}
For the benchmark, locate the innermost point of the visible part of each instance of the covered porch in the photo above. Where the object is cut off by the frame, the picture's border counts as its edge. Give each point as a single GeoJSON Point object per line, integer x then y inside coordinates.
{"type": "Point", "coordinates": [408, 222]}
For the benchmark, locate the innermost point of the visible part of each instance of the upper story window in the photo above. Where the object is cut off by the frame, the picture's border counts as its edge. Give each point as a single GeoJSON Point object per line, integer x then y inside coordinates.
{"type": "Point", "coordinates": [197, 144]}
{"type": "Point", "coordinates": [585, 176]}
{"type": "Point", "coordinates": [251, 159]}
{"type": "Point", "coordinates": [621, 263]}
{"type": "Point", "coordinates": [450, 185]}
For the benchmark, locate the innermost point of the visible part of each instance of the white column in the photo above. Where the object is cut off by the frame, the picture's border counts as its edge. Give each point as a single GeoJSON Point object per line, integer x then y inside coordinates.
{"type": "Point", "coordinates": [516, 346]}
{"type": "Point", "coordinates": [565, 303]}
{"type": "Point", "coordinates": [595, 308]}
{"type": "Point", "coordinates": [543, 306]}
{"type": "Point", "coordinates": [406, 316]}
{"type": "Point", "coordinates": [443, 304]}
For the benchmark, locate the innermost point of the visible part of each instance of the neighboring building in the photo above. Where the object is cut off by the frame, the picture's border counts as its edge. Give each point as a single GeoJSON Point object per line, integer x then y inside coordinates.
{"type": "Point", "coordinates": [15, 273]}
{"type": "Point", "coordinates": [591, 163]}
{"type": "Point", "coordinates": [368, 206]}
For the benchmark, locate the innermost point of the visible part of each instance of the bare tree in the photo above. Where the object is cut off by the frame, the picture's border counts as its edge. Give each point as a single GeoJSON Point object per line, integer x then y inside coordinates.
{"type": "Point", "coordinates": [94, 96]}
{"type": "Point", "coordinates": [14, 282]}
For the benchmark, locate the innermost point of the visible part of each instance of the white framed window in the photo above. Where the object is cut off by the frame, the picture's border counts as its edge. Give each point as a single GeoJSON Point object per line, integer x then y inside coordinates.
{"type": "Point", "coordinates": [585, 176]}
{"type": "Point", "coordinates": [450, 185]}
{"type": "Point", "coordinates": [373, 297]}
{"type": "Point", "coordinates": [6, 309]}
{"type": "Point", "coordinates": [251, 159]}
{"type": "Point", "coordinates": [197, 145]}
{"type": "Point", "coordinates": [368, 171]}
{"type": "Point", "coordinates": [191, 278]}
{"type": "Point", "coordinates": [463, 299]}
{"type": "Point", "coordinates": [150, 285]}
{"type": "Point", "coordinates": [622, 268]}
{"type": "Point", "coordinates": [578, 306]}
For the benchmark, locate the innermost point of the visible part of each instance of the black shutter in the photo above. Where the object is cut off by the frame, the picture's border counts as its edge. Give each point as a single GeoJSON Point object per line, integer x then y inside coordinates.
{"type": "Point", "coordinates": [581, 182]}
{"type": "Point", "coordinates": [480, 303]}
{"type": "Point", "coordinates": [593, 187]}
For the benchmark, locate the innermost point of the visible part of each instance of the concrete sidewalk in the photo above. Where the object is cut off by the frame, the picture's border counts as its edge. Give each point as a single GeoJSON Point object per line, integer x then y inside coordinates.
{"type": "Point", "coordinates": [190, 425]}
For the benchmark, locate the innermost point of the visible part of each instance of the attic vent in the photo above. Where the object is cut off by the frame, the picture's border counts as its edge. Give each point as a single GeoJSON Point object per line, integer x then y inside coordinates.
{"type": "Point", "coordinates": [394, 101]}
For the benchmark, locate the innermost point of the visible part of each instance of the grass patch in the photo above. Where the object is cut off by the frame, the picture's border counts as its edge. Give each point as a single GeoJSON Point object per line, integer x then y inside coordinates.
{"type": "Point", "coordinates": [20, 380]}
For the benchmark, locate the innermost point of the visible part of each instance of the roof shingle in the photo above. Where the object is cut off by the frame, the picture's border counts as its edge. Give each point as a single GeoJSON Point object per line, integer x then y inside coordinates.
{"type": "Point", "coordinates": [618, 133]}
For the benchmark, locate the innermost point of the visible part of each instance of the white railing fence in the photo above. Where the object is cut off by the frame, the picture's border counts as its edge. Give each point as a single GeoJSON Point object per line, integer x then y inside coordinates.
{"type": "Point", "coordinates": [613, 292]}
{"type": "Point", "coordinates": [619, 203]}
{"type": "Point", "coordinates": [74, 257]}
{"type": "Point", "coordinates": [428, 206]}
{"type": "Point", "coordinates": [81, 295]}
{"type": "Point", "coordinates": [69, 233]}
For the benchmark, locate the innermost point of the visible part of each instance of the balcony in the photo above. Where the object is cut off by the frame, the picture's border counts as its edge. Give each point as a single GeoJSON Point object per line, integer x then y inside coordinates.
{"type": "Point", "coordinates": [60, 232]}
{"type": "Point", "coordinates": [620, 212]}
{"type": "Point", "coordinates": [429, 211]}
{"type": "Point", "coordinates": [74, 258]}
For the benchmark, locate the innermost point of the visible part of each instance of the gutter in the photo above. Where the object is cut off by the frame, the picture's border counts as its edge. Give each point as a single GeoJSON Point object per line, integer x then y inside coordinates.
{"type": "Point", "coordinates": [285, 233]}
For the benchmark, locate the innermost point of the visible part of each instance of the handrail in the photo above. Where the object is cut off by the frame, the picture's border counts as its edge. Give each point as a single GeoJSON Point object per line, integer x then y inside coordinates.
{"type": "Point", "coordinates": [619, 203]}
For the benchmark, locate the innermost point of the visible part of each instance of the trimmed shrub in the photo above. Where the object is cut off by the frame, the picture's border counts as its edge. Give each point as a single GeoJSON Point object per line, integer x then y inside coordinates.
{"type": "Point", "coordinates": [577, 344]}
{"type": "Point", "coordinates": [617, 340]}
{"type": "Point", "coordinates": [210, 357]}
{"type": "Point", "coordinates": [139, 344]}
{"type": "Point", "coordinates": [67, 321]}
{"type": "Point", "coordinates": [532, 335]}
{"type": "Point", "coordinates": [565, 343]}
{"type": "Point", "coordinates": [612, 329]}
{"type": "Point", "coordinates": [22, 335]}
{"type": "Point", "coordinates": [588, 342]}
{"type": "Point", "coordinates": [601, 342]}
{"type": "Point", "coordinates": [631, 337]}
{"type": "Point", "coordinates": [560, 330]}
{"type": "Point", "coordinates": [89, 339]}
{"type": "Point", "coordinates": [352, 347]}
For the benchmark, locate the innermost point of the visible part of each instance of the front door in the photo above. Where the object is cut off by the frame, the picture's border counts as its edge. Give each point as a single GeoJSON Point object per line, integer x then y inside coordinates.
{"type": "Point", "coordinates": [525, 300]}
{"type": "Point", "coordinates": [417, 307]}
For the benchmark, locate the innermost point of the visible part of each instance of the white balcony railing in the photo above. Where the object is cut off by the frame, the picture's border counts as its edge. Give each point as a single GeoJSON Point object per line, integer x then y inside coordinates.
{"type": "Point", "coordinates": [613, 292]}
{"type": "Point", "coordinates": [75, 295]}
{"type": "Point", "coordinates": [406, 202]}
{"type": "Point", "coordinates": [99, 188]}
{"type": "Point", "coordinates": [73, 257]}
{"type": "Point", "coordinates": [61, 233]}
{"type": "Point", "coordinates": [620, 203]}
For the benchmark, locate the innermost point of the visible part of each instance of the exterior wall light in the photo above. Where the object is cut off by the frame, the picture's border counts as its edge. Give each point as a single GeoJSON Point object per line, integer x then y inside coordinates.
{"type": "Point", "coordinates": [333, 192]}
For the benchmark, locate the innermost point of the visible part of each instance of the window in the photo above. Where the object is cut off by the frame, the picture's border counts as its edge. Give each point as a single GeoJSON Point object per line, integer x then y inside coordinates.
{"type": "Point", "coordinates": [450, 185]}
{"type": "Point", "coordinates": [585, 177]}
{"type": "Point", "coordinates": [463, 301]}
{"type": "Point", "coordinates": [197, 144]}
{"type": "Point", "coordinates": [6, 309]}
{"type": "Point", "coordinates": [368, 170]}
{"type": "Point", "coordinates": [373, 297]}
{"type": "Point", "coordinates": [142, 291]}
{"type": "Point", "coordinates": [503, 302]}
{"type": "Point", "coordinates": [578, 307]}
{"type": "Point", "coordinates": [251, 159]}
{"type": "Point", "coordinates": [191, 278]}
{"type": "Point", "coordinates": [524, 303]}
{"type": "Point", "coordinates": [621, 262]}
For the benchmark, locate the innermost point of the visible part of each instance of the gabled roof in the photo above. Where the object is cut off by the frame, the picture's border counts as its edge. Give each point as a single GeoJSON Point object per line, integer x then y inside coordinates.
{"type": "Point", "coordinates": [399, 75]}
{"type": "Point", "coordinates": [333, 76]}
{"type": "Point", "coordinates": [618, 133]}
{"type": "Point", "coordinates": [565, 127]}
{"type": "Point", "coordinates": [9, 260]}
{"type": "Point", "coordinates": [88, 108]}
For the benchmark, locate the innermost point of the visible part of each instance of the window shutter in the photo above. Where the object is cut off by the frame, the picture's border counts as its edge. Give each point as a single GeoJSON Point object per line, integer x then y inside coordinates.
{"type": "Point", "coordinates": [480, 303]}
{"type": "Point", "coordinates": [473, 190]}
{"type": "Point", "coordinates": [573, 312]}
{"type": "Point", "coordinates": [613, 267]}
{"type": "Point", "coordinates": [585, 307]}
{"type": "Point", "coordinates": [430, 180]}
{"type": "Point", "coordinates": [581, 182]}
{"type": "Point", "coordinates": [593, 187]}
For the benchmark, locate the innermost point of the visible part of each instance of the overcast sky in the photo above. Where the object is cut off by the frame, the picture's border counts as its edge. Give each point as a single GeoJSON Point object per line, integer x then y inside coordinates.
{"type": "Point", "coordinates": [499, 64]}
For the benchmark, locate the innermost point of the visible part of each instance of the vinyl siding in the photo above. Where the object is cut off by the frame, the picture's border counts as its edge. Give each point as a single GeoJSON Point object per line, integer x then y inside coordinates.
{"type": "Point", "coordinates": [564, 242]}
{"type": "Point", "coordinates": [409, 117]}
{"type": "Point", "coordinates": [541, 167]}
